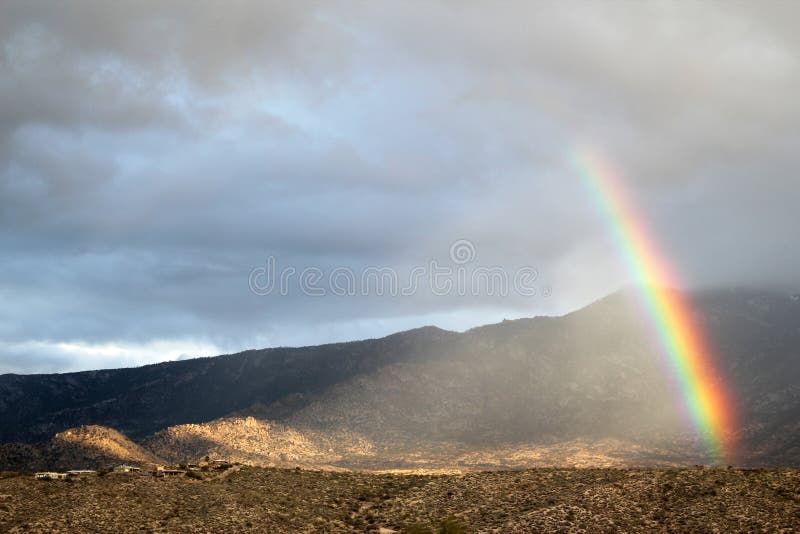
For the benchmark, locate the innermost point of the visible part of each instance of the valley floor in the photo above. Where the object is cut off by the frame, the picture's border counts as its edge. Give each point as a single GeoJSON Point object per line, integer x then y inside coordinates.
{"type": "Point", "coordinates": [288, 500]}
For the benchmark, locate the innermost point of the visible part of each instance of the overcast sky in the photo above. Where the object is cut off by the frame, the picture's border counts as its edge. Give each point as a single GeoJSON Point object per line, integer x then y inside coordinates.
{"type": "Point", "coordinates": [152, 155]}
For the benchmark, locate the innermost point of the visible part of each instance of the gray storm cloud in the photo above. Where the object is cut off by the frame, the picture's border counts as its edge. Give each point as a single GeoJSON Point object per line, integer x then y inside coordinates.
{"type": "Point", "coordinates": [152, 154]}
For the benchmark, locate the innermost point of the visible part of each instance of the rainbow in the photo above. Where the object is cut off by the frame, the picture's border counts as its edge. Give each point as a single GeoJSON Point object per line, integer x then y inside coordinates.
{"type": "Point", "coordinates": [688, 354]}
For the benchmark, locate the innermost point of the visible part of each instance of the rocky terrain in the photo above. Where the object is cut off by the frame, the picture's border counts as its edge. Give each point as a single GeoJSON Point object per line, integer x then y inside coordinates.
{"type": "Point", "coordinates": [288, 500]}
{"type": "Point", "coordinates": [586, 387]}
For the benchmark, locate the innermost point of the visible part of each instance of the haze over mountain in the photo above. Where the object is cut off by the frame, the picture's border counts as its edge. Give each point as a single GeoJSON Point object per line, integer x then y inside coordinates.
{"type": "Point", "coordinates": [592, 380]}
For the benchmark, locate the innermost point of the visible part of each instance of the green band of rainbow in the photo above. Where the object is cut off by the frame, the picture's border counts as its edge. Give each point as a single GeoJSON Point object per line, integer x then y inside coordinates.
{"type": "Point", "coordinates": [683, 341]}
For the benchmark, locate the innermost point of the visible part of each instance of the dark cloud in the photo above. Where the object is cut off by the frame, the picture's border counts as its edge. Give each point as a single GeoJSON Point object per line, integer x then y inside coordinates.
{"type": "Point", "coordinates": [152, 155]}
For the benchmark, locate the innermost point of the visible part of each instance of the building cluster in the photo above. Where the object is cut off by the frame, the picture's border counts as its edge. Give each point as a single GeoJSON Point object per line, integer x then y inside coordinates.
{"type": "Point", "coordinates": [155, 471]}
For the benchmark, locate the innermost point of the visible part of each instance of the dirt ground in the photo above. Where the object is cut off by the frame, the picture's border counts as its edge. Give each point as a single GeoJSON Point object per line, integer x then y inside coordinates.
{"type": "Point", "coordinates": [289, 500]}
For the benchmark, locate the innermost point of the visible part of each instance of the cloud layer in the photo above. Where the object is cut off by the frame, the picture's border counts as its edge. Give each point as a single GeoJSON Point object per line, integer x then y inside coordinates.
{"type": "Point", "coordinates": [152, 155]}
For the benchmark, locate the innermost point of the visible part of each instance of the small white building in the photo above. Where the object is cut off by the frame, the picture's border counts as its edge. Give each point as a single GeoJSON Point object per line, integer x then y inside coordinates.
{"type": "Point", "coordinates": [50, 475]}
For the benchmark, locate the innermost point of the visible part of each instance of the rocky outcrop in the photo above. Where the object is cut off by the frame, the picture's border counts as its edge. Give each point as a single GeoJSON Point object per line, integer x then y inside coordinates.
{"type": "Point", "coordinates": [246, 440]}
{"type": "Point", "coordinates": [86, 447]}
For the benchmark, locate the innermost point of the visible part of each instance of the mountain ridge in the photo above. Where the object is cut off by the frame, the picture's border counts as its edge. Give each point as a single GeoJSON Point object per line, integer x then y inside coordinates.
{"type": "Point", "coordinates": [592, 374]}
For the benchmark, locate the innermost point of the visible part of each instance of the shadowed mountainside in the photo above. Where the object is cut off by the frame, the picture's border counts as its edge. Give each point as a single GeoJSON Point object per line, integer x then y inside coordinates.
{"type": "Point", "coordinates": [142, 400]}
{"type": "Point", "coordinates": [592, 375]}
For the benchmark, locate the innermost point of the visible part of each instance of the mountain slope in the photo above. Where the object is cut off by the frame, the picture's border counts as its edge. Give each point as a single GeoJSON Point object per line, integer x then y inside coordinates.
{"type": "Point", "coordinates": [139, 401]}
{"type": "Point", "coordinates": [595, 375]}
